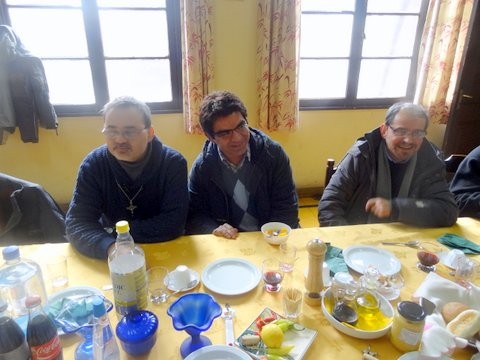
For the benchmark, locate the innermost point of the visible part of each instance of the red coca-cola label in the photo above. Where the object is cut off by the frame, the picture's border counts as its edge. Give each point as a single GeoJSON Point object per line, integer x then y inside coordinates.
{"type": "Point", "coordinates": [48, 351]}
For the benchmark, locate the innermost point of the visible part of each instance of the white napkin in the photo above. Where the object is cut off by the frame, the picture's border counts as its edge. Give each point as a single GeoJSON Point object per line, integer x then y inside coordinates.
{"type": "Point", "coordinates": [441, 291]}
{"type": "Point", "coordinates": [436, 340]}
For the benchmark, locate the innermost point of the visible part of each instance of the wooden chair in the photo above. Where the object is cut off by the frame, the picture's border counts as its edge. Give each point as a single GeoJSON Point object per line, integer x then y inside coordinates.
{"type": "Point", "coordinates": [451, 165]}
{"type": "Point", "coordinates": [331, 168]}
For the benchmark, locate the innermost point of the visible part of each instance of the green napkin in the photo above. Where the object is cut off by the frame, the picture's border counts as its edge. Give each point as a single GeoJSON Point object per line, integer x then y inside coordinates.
{"type": "Point", "coordinates": [457, 242]}
{"type": "Point", "coordinates": [334, 260]}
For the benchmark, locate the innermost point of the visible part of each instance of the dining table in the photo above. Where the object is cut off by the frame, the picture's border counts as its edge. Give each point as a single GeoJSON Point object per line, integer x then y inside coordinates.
{"type": "Point", "coordinates": [198, 251]}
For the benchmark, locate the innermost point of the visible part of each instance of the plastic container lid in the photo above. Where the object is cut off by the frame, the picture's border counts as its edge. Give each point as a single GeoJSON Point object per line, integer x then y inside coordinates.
{"type": "Point", "coordinates": [98, 307]}
{"type": "Point", "coordinates": [137, 326]}
{"type": "Point", "coordinates": [11, 252]}
{"type": "Point", "coordinates": [411, 311]}
{"type": "Point", "coordinates": [122, 226]}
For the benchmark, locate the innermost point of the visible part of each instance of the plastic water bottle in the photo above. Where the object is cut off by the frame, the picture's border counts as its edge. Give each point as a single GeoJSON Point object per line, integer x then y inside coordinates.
{"type": "Point", "coordinates": [128, 272]}
{"type": "Point", "coordinates": [20, 278]}
{"type": "Point", "coordinates": [105, 346]}
{"type": "Point", "coordinates": [13, 345]}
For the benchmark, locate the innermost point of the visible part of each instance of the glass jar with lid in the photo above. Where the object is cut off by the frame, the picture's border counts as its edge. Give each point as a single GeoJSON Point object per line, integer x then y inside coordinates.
{"type": "Point", "coordinates": [407, 327]}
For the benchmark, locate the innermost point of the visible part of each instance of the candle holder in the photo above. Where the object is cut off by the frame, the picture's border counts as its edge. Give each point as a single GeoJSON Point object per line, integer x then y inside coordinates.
{"type": "Point", "coordinates": [194, 313]}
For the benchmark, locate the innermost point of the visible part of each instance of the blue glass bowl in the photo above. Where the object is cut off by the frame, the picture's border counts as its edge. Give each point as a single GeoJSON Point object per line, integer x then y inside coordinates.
{"type": "Point", "coordinates": [194, 313]}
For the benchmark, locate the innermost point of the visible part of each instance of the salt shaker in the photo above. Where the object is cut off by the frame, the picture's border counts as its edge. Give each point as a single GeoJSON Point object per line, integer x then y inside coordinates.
{"type": "Point", "coordinates": [314, 282]}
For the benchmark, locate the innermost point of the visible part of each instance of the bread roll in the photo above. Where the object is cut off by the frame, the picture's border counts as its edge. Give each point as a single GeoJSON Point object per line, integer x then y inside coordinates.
{"type": "Point", "coordinates": [466, 324]}
{"type": "Point", "coordinates": [452, 309]}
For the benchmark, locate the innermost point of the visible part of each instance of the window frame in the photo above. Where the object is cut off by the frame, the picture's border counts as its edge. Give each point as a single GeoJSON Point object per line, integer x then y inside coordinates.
{"type": "Point", "coordinates": [350, 101]}
{"type": "Point", "coordinates": [97, 59]}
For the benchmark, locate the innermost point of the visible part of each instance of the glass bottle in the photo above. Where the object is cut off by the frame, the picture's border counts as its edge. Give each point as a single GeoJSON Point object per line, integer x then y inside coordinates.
{"type": "Point", "coordinates": [128, 272]}
{"type": "Point", "coordinates": [42, 334]}
{"type": "Point", "coordinates": [344, 290]}
{"type": "Point", "coordinates": [105, 346]}
{"type": "Point", "coordinates": [13, 345]}
{"type": "Point", "coordinates": [407, 327]}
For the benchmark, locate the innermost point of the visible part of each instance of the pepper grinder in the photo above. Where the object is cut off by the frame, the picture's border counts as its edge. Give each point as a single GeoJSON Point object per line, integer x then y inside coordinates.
{"type": "Point", "coordinates": [314, 282]}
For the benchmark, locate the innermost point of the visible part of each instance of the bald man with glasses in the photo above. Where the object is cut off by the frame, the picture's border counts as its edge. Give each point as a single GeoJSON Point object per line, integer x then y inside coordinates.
{"type": "Point", "coordinates": [133, 177]}
{"type": "Point", "coordinates": [241, 179]}
{"type": "Point", "coordinates": [391, 174]}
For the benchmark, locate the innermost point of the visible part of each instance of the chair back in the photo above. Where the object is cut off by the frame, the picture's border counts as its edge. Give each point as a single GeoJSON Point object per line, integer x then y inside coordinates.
{"type": "Point", "coordinates": [330, 170]}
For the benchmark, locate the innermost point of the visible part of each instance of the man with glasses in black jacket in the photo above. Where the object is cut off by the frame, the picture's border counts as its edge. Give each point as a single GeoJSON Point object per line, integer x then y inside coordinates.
{"type": "Point", "coordinates": [242, 179]}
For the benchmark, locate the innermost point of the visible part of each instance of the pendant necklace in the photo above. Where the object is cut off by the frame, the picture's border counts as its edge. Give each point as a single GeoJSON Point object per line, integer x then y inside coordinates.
{"type": "Point", "coordinates": [130, 207]}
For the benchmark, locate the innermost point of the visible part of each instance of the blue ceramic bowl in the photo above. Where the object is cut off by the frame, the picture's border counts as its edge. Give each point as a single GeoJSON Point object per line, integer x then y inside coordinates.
{"type": "Point", "coordinates": [137, 332]}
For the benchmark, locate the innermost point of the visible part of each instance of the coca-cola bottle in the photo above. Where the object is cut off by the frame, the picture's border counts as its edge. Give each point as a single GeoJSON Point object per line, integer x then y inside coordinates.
{"type": "Point", "coordinates": [42, 334]}
{"type": "Point", "coordinates": [12, 340]}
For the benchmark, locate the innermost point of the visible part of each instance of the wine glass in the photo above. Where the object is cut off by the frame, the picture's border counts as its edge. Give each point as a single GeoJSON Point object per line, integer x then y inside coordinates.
{"type": "Point", "coordinates": [272, 274]}
{"type": "Point", "coordinates": [194, 313]}
{"type": "Point", "coordinates": [427, 255]}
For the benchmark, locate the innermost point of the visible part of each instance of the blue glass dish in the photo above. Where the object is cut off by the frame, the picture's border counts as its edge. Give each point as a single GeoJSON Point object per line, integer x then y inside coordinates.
{"type": "Point", "coordinates": [194, 313]}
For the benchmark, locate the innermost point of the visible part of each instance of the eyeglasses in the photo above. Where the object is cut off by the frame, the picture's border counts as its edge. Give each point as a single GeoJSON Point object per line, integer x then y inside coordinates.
{"type": "Point", "coordinates": [240, 128]}
{"type": "Point", "coordinates": [402, 132]}
{"type": "Point", "coordinates": [128, 134]}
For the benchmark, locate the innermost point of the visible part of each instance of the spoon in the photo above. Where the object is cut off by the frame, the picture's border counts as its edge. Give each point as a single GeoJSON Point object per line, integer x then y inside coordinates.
{"type": "Point", "coordinates": [409, 243]}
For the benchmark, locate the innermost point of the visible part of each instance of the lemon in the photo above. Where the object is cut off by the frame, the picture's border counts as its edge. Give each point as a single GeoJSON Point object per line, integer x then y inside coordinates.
{"type": "Point", "coordinates": [272, 335]}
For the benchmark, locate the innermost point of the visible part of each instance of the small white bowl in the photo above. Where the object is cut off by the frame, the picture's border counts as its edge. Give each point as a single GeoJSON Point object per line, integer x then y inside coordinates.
{"type": "Point", "coordinates": [268, 229]}
{"type": "Point", "coordinates": [385, 307]}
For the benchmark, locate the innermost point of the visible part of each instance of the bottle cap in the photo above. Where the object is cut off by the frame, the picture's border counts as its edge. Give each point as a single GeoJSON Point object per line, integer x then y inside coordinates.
{"type": "Point", "coordinates": [11, 252]}
{"type": "Point", "coordinates": [122, 226]}
{"type": "Point", "coordinates": [411, 311]}
{"type": "Point", "coordinates": [98, 307]}
{"type": "Point", "coordinates": [32, 301]}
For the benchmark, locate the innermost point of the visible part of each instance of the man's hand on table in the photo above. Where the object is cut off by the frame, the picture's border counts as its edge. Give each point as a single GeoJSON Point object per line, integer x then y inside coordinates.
{"type": "Point", "coordinates": [226, 231]}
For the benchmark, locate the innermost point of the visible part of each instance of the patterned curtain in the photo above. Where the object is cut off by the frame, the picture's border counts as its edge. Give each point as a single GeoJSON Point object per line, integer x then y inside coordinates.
{"type": "Point", "coordinates": [197, 64]}
{"type": "Point", "coordinates": [440, 56]}
{"type": "Point", "coordinates": [278, 33]}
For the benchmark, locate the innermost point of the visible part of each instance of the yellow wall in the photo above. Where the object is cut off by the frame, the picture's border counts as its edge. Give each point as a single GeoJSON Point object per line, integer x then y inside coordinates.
{"type": "Point", "coordinates": [54, 161]}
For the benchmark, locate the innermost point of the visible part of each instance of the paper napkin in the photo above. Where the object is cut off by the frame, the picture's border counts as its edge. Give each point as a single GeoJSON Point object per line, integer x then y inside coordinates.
{"type": "Point", "coordinates": [457, 242]}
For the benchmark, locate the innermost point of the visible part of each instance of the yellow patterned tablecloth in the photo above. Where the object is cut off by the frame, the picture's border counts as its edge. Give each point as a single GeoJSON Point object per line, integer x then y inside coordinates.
{"type": "Point", "coordinates": [198, 251]}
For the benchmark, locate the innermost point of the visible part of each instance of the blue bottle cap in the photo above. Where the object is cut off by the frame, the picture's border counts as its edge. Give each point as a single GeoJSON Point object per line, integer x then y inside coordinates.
{"type": "Point", "coordinates": [98, 307]}
{"type": "Point", "coordinates": [11, 252]}
{"type": "Point", "coordinates": [137, 326]}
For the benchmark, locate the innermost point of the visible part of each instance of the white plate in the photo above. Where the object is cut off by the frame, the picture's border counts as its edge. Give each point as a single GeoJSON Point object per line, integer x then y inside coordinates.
{"type": "Point", "coordinates": [218, 352]}
{"type": "Point", "coordinates": [414, 355]}
{"type": "Point", "coordinates": [231, 276]}
{"type": "Point", "coordinates": [301, 338]}
{"type": "Point", "coordinates": [173, 287]}
{"type": "Point", "coordinates": [358, 257]}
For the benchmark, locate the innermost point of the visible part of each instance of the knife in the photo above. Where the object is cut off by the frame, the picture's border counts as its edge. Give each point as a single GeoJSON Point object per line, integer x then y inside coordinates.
{"type": "Point", "coordinates": [228, 315]}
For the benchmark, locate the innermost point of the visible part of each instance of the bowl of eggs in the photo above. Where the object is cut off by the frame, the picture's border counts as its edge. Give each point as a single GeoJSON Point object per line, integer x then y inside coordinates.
{"type": "Point", "coordinates": [276, 233]}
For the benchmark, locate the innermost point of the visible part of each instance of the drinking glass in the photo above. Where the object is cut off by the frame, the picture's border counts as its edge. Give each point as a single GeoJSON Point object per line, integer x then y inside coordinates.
{"type": "Point", "coordinates": [158, 281]}
{"type": "Point", "coordinates": [427, 255]}
{"type": "Point", "coordinates": [272, 274]}
{"type": "Point", "coordinates": [465, 272]}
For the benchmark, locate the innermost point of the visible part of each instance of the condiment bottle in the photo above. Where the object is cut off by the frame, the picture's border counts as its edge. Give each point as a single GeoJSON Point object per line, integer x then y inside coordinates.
{"type": "Point", "coordinates": [13, 345]}
{"type": "Point", "coordinates": [344, 290]}
{"type": "Point", "coordinates": [407, 327]}
{"type": "Point", "coordinates": [128, 272]}
{"type": "Point", "coordinates": [314, 282]}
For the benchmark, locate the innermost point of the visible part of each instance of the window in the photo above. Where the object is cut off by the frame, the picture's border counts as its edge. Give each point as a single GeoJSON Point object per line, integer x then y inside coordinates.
{"type": "Point", "coordinates": [96, 50]}
{"type": "Point", "coordinates": [359, 53]}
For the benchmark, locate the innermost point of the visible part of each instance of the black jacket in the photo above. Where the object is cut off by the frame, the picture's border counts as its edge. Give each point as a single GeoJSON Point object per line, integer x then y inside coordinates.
{"type": "Point", "coordinates": [429, 202]}
{"type": "Point", "coordinates": [272, 186]}
{"type": "Point", "coordinates": [28, 214]}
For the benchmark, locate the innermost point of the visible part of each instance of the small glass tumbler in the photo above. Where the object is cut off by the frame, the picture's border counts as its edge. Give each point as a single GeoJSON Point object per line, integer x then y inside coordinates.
{"type": "Point", "coordinates": [288, 256]}
{"type": "Point", "coordinates": [292, 303]}
{"type": "Point", "coordinates": [272, 274]}
{"type": "Point", "coordinates": [465, 272]}
{"type": "Point", "coordinates": [158, 280]}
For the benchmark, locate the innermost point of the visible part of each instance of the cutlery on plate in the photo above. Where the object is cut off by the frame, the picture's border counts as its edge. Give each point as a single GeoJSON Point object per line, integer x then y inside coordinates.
{"type": "Point", "coordinates": [409, 243]}
{"type": "Point", "coordinates": [228, 315]}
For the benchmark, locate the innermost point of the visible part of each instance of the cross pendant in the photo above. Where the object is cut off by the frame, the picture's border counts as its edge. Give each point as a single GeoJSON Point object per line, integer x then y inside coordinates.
{"type": "Point", "coordinates": [131, 207]}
